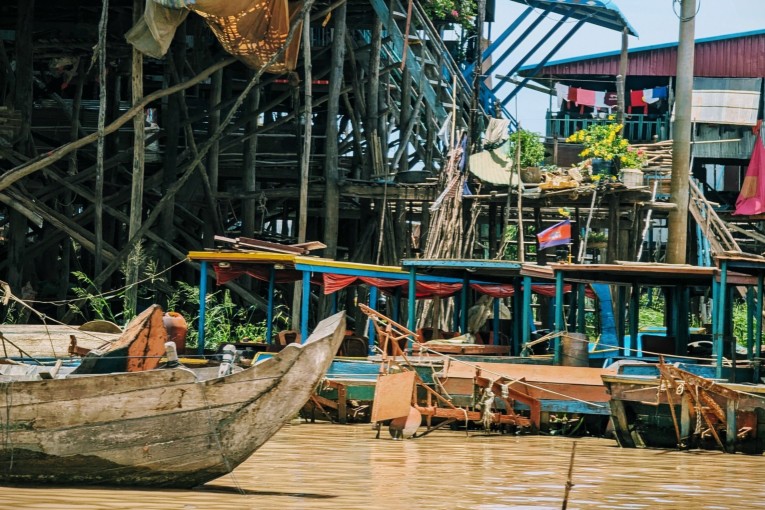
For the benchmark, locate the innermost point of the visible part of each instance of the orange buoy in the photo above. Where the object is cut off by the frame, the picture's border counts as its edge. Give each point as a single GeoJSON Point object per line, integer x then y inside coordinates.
{"type": "Point", "coordinates": [176, 328]}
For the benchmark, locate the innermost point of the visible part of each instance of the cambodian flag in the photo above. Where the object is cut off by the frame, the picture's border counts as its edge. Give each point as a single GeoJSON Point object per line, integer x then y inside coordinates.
{"type": "Point", "coordinates": [558, 234]}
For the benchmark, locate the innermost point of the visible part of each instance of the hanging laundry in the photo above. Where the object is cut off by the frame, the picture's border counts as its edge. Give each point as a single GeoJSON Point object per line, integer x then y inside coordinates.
{"type": "Point", "coordinates": [585, 97]}
{"type": "Point", "coordinates": [751, 199]}
{"type": "Point", "coordinates": [660, 92]}
{"type": "Point", "coordinates": [612, 99]}
{"type": "Point", "coordinates": [444, 134]}
{"type": "Point", "coordinates": [572, 93]}
{"type": "Point", "coordinates": [600, 100]}
{"type": "Point", "coordinates": [648, 96]}
{"type": "Point", "coordinates": [636, 101]}
{"type": "Point", "coordinates": [562, 93]}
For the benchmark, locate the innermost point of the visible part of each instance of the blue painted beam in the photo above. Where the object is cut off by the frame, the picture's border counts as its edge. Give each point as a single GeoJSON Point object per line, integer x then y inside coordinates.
{"type": "Point", "coordinates": [464, 304]}
{"type": "Point", "coordinates": [412, 305]}
{"type": "Point", "coordinates": [634, 312]}
{"type": "Point", "coordinates": [526, 79]}
{"type": "Point", "coordinates": [542, 41]}
{"type": "Point", "coordinates": [202, 307]}
{"type": "Point", "coordinates": [305, 298]}
{"type": "Point", "coordinates": [559, 321]}
{"type": "Point", "coordinates": [581, 309]}
{"type": "Point", "coordinates": [397, 39]}
{"type": "Point", "coordinates": [527, 311]}
{"type": "Point", "coordinates": [721, 317]}
{"type": "Point", "coordinates": [372, 331]}
{"type": "Point", "coordinates": [534, 24]}
{"type": "Point", "coordinates": [495, 321]}
{"type": "Point", "coordinates": [270, 311]}
{"type": "Point", "coordinates": [494, 46]}
{"type": "Point", "coordinates": [758, 327]}
{"type": "Point", "coordinates": [750, 323]}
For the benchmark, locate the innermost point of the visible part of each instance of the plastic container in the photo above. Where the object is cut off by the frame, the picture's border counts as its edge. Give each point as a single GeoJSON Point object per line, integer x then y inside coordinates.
{"type": "Point", "coordinates": [176, 328]}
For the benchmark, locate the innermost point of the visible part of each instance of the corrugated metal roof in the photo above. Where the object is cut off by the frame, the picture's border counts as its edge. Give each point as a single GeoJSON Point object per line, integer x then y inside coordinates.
{"type": "Point", "coordinates": [732, 55]}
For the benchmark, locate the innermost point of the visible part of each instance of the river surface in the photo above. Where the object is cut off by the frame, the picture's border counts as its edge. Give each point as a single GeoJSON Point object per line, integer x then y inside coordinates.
{"type": "Point", "coordinates": [321, 466]}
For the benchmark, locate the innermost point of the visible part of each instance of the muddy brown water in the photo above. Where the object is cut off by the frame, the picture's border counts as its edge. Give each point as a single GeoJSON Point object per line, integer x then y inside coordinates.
{"type": "Point", "coordinates": [321, 466]}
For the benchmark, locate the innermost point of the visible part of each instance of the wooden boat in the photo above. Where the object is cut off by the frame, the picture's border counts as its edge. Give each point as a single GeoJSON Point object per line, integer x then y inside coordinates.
{"type": "Point", "coordinates": [678, 409]}
{"type": "Point", "coordinates": [172, 427]}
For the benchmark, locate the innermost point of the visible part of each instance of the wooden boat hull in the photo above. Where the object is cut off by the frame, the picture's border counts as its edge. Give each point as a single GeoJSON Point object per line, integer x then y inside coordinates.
{"type": "Point", "coordinates": [642, 417]}
{"type": "Point", "coordinates": [164, 428]}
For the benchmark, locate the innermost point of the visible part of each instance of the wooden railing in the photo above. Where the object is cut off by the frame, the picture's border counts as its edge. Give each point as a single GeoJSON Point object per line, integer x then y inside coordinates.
{"type": "Point", "coordinates": [714, 228]}
{"type": "Point", "coordinates": [637, 128]}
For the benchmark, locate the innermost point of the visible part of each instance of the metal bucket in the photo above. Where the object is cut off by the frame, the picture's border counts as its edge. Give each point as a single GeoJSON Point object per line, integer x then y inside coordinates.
{"type": "Point", "coordinates": [631, 177]}
{"type": "Point", "coordinates": [574, 350]}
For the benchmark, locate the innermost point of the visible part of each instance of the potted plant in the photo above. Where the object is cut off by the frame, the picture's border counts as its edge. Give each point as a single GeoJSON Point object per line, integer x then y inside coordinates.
{"type": "Point", "coordinates": [532, 154]}
{"type": "Point", "coordinates": [451, 11]}
{"type": "Point", "coordinates": [597, 240]}
{"type": "Point", "coordinates": [608, 149]}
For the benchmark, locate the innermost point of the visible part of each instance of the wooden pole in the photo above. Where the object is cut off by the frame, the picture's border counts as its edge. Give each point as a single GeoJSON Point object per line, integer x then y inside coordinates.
{"type": "Point", "coordinates": [136, 195]}
{"type": "Point", "coordinates": [569, 484]}
{"type": "Point", "coordinates": [521, 247]}
{"type": "Point", "coordinates": [621, 80]}
{"type": "Point", "coordinates": [99, 185]}
{"type": "Point", "coordinates": [216, 93]}
{"type": "Point", "coordinates": [331, 170]}
{"type": "Point", "coordinates": [305, 155]}
{"type": "Point", "coordinates": [681, 146]}
{"type": "Point", "coordinates": [249, 182]}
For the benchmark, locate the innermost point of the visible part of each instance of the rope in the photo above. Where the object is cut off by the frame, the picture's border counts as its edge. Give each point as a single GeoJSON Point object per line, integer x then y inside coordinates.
{"type": "Point", "coordinates": [511, 380]}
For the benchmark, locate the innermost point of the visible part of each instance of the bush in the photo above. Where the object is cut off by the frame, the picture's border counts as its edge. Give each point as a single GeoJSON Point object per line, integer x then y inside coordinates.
{"type": "Point", "coordinates": [532, 150]}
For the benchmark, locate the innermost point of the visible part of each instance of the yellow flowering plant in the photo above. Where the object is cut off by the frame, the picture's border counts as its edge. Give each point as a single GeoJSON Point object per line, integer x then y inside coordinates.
{"type": "Point", "coordinates": [606, 142]}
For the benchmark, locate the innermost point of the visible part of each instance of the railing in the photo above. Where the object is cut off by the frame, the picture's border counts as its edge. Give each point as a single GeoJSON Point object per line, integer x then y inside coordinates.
{"type": "Point", "coordinates": [637, 128]}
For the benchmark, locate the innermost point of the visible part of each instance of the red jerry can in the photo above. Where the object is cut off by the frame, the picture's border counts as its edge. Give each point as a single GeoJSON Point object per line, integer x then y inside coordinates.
{"type": "Point", "coordinates": [176, 328]}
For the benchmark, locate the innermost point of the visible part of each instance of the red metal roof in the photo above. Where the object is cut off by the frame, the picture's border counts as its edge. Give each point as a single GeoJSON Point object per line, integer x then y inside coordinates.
{"type": "Point", "coordinates": [736, 56]}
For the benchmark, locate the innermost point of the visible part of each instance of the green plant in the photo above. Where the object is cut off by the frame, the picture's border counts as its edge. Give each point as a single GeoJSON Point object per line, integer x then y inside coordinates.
{"type": "Point", "coordinates": [597, 237]}
{"type": "Point", "coordinates": [453, 11]}
{"type": "Point", "coordinates": [100, 304]}
{"type": "Point", "coordinates": [605, 141]}
{"type": "Point", "coordinates": [225, 321]}
{"type": "Point", "coordinates": [532, 150]}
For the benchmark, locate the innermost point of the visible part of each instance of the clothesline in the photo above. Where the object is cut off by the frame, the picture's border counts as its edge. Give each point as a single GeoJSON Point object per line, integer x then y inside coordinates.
{"type": "Point", "coordinates": [606, 100]}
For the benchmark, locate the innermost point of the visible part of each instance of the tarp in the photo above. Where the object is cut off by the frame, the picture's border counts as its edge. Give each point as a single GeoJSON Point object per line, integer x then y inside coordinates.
{"type": "Point", "coordinates": [254, 31]}
{"type": "Point", "coordinates": [751, 199]}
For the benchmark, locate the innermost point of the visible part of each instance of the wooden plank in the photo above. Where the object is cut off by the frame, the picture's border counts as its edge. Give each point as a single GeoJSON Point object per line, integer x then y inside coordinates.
{"type": "Point", "coordinates": [393, 396]}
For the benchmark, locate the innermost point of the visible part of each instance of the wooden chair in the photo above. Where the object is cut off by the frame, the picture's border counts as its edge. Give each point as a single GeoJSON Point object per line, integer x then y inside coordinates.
{"type": "Point", "coordinates": [354, 347]}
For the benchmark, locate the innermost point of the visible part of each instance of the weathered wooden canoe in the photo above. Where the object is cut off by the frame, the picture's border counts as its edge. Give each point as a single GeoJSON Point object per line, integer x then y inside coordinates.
{"type": "Point", "coordinates": [166, 427]}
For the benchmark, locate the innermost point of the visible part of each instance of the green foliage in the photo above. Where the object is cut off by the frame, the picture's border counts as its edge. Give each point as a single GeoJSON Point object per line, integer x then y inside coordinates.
{"type": "Point", "coordinates": [605, 141]}
{"type": "Point", "coordinates": [100, 305]}
{"type": "Point", "coordinates": [532, 149]}
{"type": "Point", "coordinates": [510, 240]}
{"type": "Point", "coordinates": [597, 237]}
{"type": "Point", "coordinates": [453, 11]}
{"type": "Point", "coordinates": [225, 321]}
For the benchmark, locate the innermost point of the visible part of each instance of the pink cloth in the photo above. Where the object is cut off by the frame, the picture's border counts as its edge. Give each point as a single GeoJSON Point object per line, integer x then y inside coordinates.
{"type": "Point", "coordinates": [585, 97]}
{"type": "Point", "coordinates": [751, 199]}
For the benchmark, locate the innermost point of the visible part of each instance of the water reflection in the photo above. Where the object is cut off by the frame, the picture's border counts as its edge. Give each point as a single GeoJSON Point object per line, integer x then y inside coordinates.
{"type": "Point", "coordinates": [317, 466]}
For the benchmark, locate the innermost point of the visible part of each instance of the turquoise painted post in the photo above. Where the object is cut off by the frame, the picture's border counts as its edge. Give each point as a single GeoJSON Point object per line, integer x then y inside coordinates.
{"type": "Point", "coordinates": [372, 331]}
{"type": "Point", "coordinates": [202, 307]}
{"type": "Point", "coordinates": [411, 305]}
{"type": "Point", "coordinates": [270, 311]}
{"type": "Point", "coordinates": [526, 311]}
{"type": "Point", "coordinates": [758, 330]}
{"type": "Point", "coordinates": [464, 304]}
{"type": "Point", "coordinates": [396, 304]}
{"type": "Point", "coordinates": [456, 315]}
{"type": "Point", "coordinates": [559, 324]}
{"type": "Point", "coordinates": [305, 300]}
{"type": "Point", "coordinates": [715, 307]}
{"type": "Point", "coordinates": [721, 309]}
{"type": "Point", "coordinates": [333, 303]}
{"type": "Point", "coordinates": [634, 313]}
{"type": "Point", "coordinates": [621, 304]}
{"type": "Point", "coordinates": [581, 309]}
{"type": "Point", "coordinates": [495, 321]}
{"type": "Point", "coordinates": [749, 323]}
